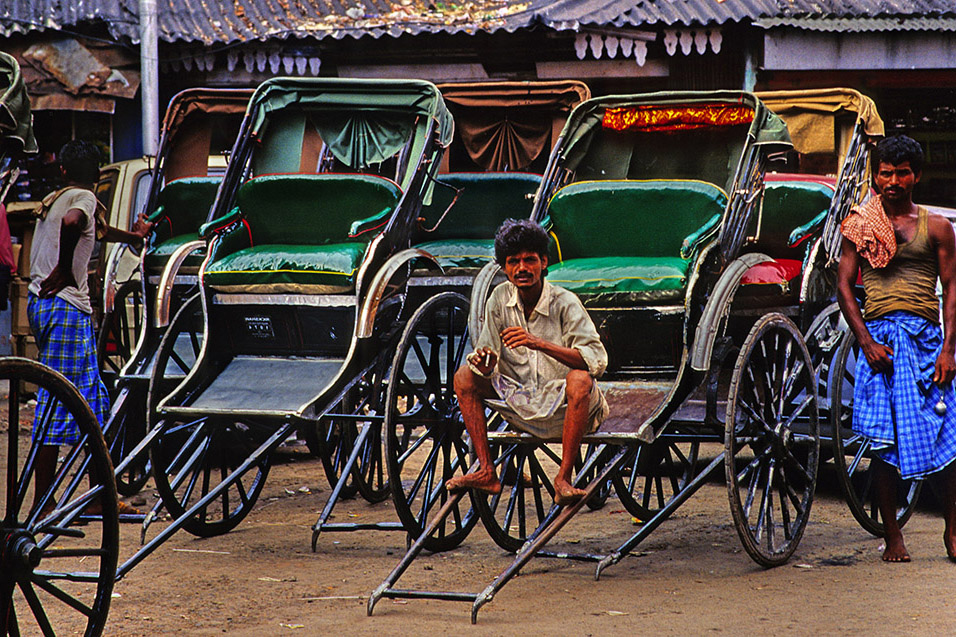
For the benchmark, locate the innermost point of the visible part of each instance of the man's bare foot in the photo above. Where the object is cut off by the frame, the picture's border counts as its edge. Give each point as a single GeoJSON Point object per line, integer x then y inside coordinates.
{"type": "Point", "coordinates": [121, 507]}
{"type": "Point", "coordinates": [895, 551]}
{"type": "Point", "coordinates": [949, 541]}
{"type": "Point", "coordinates": [565, 494]}
{"type": "Point", "coordinates": [486, 482]}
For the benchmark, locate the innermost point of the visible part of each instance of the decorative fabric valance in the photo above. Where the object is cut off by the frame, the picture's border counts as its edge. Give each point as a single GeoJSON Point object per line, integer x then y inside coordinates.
{"type": "Point", "coordinates": [669, 118]}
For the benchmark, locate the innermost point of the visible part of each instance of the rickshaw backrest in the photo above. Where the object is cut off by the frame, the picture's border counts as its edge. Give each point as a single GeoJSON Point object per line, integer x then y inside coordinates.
{"type": "Point", "coordinates": [314, 209]}
{"type": "Point", "coordinates": [788, 205]}
{"type": "Point", "coordinates": [184, 204]}
{"type": "Point", "coordinates": [485, 200]}
{"type": "Point", "coordinates": [631, 218]}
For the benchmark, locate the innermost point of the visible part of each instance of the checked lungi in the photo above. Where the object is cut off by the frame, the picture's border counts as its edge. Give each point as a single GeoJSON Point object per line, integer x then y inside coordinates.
{"type": "Point", "coordinates": [896, 410]}
{"type": "Point", "coordinates": [66, 343]}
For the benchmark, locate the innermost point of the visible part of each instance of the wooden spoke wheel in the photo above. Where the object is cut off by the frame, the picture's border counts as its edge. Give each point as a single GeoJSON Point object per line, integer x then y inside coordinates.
{"type": "Point", "coordinates": [192, 456]}
{"type": "Point", "coordinates": [334, 436]}
{"type": "Point", "coordinates": [125, 429]}
{"type": "Point", "coordinates": [853, 453]}
{"type": "Point", "coordinates": [54, 576]}
{"type": "Point", "coordinates": [119, 330]}
{"type": "Point", "coordinates": [654, 474]}
{"type": "Point", "coordinates": [425, 443]}
{"type": "Point", "coordinates": [332, 441]}
{"type": "Point", "coordinates": [599, 499]}
{"type": "Point", "coordinates": [772, 440]}
{"type": "Point", "coordinates": [525, 471]}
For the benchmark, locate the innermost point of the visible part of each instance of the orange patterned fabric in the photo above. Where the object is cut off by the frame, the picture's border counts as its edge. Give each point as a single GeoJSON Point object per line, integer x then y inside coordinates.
{"type": "Point", "coordinates": [667, 118]}
{"type": "Point", "coordinates": [868, 227]}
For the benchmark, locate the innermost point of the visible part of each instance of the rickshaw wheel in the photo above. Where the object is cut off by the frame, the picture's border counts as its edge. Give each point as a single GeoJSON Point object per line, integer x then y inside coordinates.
{"type": "Point", "coordinates": [368, 476]}
{"type": "Point", "coordinates": [47, 567]}
{"type": "Point", "coordinates": [527, 492]}
{"type": "Point", "coordinates": [192, 456]}
{"type": "Point", "coordinates": [599, 499]}
{"type": "Point", "coordinates": [654, 474]}
{"type": "Point", "coordinates": [772, 440]}
{"type": "Point", "coordinates": [823, 338]}
{"type": "Point", "coordinates": [424, 434]}
{"type": "Point", "coordinates": [118, 332]}
{"type": "Point", "coordinates": [126, 429]}
{"type": "Point", "coordinates": [332, 442]}
{"type": "Point", "coordinates": [852, 453]}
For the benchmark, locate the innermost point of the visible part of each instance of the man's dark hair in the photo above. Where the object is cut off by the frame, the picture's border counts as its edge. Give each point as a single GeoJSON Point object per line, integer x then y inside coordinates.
{"type": "Point", "coordinates": [896, 150]}
{"type": "Point", "coordinates": [518, 235]}
{"type": "Point", "coordinates": [81, 161]}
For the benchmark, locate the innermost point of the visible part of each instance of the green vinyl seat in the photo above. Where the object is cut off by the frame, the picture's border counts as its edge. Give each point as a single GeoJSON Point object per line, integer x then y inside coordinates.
{"type": "Point", "coordinates": [464, 239]}
{"type": "Point", "coordinates": [626, 242]}
{"type": "Point", "coordinates": [793, 212]}
{"type": "Point", "coordinates": [300, 233]}
{"type": "Point", "coordinates": [182, 207]}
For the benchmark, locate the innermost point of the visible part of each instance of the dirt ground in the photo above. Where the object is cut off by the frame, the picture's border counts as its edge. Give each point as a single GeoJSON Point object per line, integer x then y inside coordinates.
{"type": "Point", "coordinates": [690, 577]}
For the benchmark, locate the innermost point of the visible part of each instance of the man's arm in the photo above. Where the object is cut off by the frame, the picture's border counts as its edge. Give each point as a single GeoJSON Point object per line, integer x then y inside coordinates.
{"type": "Point", "coordinates": [877, 354]}
{"type": "Point", "coordinates": [941, 233]}
{"type": "Point", "coordinates": [513, 337]}
{"type": "Point", "coordinates": [71, 229]}
{"type": "Point", "coordinates": [135, 238]}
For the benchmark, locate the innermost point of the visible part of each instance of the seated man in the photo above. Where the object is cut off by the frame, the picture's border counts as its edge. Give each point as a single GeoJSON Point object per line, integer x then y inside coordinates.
{"type": "Point", "coordinates": [535, 362]}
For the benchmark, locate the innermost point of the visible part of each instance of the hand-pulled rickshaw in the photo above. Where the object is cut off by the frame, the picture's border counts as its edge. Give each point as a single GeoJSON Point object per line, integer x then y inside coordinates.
{"type": "Point", "coordinates": [502, 131]}
{"type": "Point", "coordinates": [199, 124]}
{"type": "Point", "coordinates": [301, 287]}
{"type": "Point", "coordinates": [657, 208]}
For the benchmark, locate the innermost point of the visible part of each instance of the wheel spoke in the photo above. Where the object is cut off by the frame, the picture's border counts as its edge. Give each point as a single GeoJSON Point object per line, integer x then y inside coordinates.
{"type": "Point", "coordinates": [38, 613]}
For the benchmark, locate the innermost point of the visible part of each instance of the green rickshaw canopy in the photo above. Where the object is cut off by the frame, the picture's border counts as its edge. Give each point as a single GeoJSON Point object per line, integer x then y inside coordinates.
{"type": "Point", "coordinates": [16, 121]}
{"type": "Point", "coordinates": [667, 135]}
{"type": "Point", "coordinates": [362, 121]}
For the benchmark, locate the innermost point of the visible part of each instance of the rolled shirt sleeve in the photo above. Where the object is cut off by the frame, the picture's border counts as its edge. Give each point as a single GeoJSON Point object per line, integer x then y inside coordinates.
{"type": "Point", "coordinates": [580, 334]}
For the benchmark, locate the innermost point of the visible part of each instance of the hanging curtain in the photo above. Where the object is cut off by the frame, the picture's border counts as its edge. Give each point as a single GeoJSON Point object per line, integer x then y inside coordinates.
{"type": "Point", "coordinates": [358, 139]}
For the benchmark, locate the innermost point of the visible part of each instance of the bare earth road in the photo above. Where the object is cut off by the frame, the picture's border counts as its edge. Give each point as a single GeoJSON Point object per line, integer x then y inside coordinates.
{"type": "Point", "coordinates": [690, 578]}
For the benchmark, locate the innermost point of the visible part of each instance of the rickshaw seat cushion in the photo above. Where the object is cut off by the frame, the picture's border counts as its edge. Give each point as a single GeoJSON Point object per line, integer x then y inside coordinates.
{"type": "Point", "coordinates": [485, 200]}
{"type": "Point", "coordinates": [182, 207]}
{"type": "Point", "coordinates": [316, 210]}
{"type": "Point", "coordinates": [464, 254]}
{"type": "Point", "coordinates": [626, 279]}
{"type": "Point", "coordinates": [325, 269]}
{"type": "Point", "coordinates": [629, 218]}
{"type": "Point", "coordinates": [157, 257]}
{"type": "Point", "coordinates": [787, 206]}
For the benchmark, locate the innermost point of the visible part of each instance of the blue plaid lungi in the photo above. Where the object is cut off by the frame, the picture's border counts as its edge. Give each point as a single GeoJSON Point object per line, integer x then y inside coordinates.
{"type": "Point", "coordinates": [896, 410]}
{"type": "Point", "coordinates": [66, 343]}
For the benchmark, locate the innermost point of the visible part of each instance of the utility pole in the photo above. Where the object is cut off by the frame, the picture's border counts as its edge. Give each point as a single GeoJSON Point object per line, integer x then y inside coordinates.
{"type": "Point", "coordinates": [149, 67]}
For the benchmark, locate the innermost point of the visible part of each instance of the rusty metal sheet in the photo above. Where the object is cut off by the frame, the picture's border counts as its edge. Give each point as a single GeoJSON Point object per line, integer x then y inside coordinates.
{"type": "Point", "coordinates": [65, 102]}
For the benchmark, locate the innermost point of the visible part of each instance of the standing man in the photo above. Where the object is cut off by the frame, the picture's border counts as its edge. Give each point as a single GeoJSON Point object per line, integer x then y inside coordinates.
{"type": "Point", "coordinates": [907, 365]}
{"type": "Point", "coordinates": [536, 360]}
{"type": "Point", "coordinates": [58, 300]}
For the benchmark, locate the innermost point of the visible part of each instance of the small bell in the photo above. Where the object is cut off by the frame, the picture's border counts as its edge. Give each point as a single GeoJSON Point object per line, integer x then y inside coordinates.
{"type": "Point", "coordinates": [940, 408]}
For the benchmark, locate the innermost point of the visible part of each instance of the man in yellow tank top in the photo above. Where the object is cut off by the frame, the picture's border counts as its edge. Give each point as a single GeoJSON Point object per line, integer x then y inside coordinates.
{"type": "Point", "coordinates": [908, 365]}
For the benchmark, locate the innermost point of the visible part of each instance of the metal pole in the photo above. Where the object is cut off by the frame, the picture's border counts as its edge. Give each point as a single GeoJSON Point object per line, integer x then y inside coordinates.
{"type": "Point", "coordinates": [149, 67]}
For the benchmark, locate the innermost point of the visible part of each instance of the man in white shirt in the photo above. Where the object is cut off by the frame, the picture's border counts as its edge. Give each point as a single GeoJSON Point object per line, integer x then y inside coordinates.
{"type": "Point", "coordinates": [536, 361]}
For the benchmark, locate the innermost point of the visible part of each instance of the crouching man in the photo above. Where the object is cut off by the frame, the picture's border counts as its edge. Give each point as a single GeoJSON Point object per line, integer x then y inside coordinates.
{"type": "Point", "coordinates": [536, 361]}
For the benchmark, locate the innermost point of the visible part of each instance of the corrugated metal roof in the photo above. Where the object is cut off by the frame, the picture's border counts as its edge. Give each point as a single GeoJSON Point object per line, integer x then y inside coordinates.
{"type": "Point", "coordinates": [229, 21]}
{"type": "Point", "coordinates": [569, 14]}
{"type": "Point", "coordinates": [222, 21]}
{"type": "Point", "coordinates": [862, 25]}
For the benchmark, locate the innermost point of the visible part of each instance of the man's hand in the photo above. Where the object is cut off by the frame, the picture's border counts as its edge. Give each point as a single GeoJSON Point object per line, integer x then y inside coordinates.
{"type": "Point", "coordinates": [142, 227]}
{"type": "Point", "coordinates": [945, 369]}
{"type": "Point", "coordinates": [58, 280]}
{"type": "Point", "coordinates": [513, 337]}
{"type": "Point", "coordinates": [879, 356]}
{"type": "Point", "coordinates": [484, 359]}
